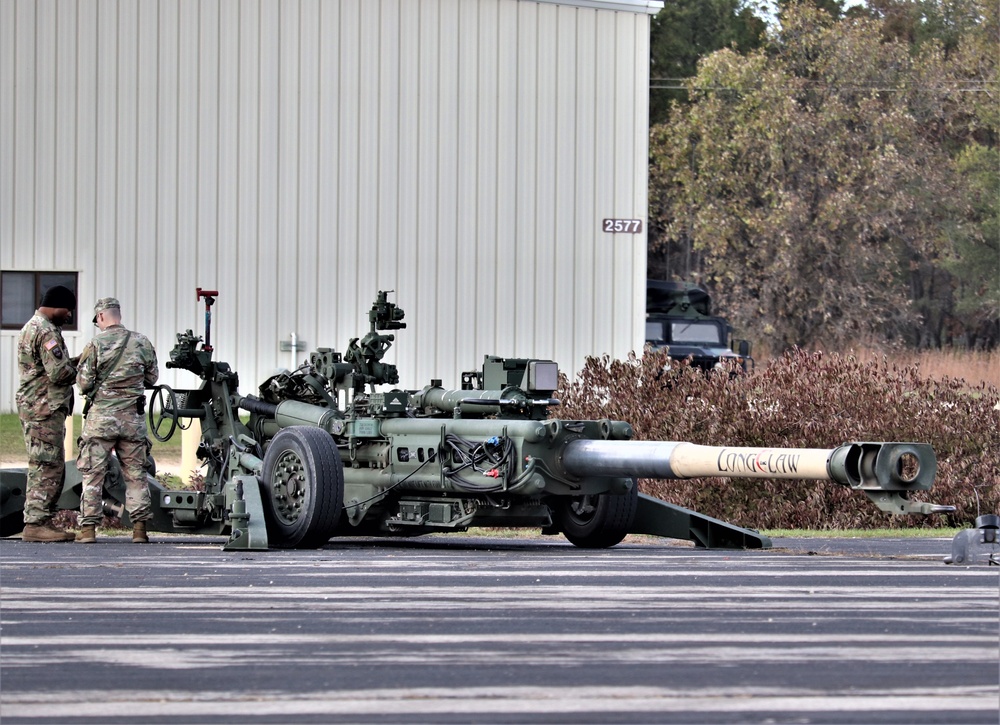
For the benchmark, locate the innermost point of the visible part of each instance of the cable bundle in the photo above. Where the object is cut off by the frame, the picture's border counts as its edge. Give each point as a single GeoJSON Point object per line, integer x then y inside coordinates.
{"type": "Point", "coordinates": [492, 458]}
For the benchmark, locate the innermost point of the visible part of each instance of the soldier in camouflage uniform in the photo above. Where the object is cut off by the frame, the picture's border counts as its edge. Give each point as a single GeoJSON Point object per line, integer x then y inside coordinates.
{"type": "Point", "coordinates": [115, 368]}
{"type": "Point", "coordinates": [44, 399]}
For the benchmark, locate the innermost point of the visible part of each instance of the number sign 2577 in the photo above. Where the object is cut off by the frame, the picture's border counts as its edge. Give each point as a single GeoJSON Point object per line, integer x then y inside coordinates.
{"type": "Point", "coordinates": [622, 226]}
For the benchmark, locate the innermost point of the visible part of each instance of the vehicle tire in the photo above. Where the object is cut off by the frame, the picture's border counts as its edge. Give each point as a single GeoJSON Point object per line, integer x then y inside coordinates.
{"type": "Point", "coordinates": [303, 488]}
{"type": "Point", "coordinates": [11, 524]}
{"type": "Point", "coordinates": [598, 521]}
{"type": "Point", "coordinates": [13, 485]}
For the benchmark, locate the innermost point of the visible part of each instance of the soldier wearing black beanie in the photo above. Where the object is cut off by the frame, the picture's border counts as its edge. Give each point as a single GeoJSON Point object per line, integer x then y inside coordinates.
{"type": "Point", "coordinates": [44, 399]}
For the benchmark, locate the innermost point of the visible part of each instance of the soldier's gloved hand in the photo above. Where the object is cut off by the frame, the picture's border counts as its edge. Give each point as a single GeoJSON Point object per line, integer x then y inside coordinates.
{"type": "Point", "coordinates": [75, 361]}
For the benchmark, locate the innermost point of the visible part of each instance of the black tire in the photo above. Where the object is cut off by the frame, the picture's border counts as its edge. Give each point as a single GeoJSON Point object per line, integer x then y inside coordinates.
{"type": "Point", "coordinates": [11, 525]}
{"type": "Point", "coordinates": [14, 485]}
{"type": "Point", "coordinates": [598, 521]}
{"type": "Point", "coordinates": [303, 488]}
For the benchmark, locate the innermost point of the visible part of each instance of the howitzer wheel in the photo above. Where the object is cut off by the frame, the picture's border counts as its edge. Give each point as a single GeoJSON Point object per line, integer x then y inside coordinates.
{"type": "Point", "coordinates": [11, 525]}
{"type": "Point", "coordinates": [13, 484]}
{"type": "Point", "coordinates": [597, 521]}
{"type": "Point", "coordinates": [162, 410]}
{"type": "Point", "coordinates": [304, 488]}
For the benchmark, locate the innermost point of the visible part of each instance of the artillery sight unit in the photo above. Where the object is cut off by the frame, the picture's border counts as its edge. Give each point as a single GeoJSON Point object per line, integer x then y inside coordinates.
{"type": "Point", "coordinates": [321, 452]}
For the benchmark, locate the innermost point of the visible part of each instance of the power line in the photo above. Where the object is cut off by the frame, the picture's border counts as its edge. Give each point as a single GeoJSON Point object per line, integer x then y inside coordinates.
{"type": "Point", "coordinates": [959, 86]}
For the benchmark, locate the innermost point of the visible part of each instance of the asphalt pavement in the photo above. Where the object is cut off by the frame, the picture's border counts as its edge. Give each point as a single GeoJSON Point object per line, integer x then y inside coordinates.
{"type": "Point", "coordinates": [455, 629]}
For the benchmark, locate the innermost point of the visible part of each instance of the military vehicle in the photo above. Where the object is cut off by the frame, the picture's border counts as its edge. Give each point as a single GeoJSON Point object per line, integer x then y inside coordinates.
{"type": "Point", "coordinates": [679, 318]}
{"type": "Point", "coordinates": [320, 452]}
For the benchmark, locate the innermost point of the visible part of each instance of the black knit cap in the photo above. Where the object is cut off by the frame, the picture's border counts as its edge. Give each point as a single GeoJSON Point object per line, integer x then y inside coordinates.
{"type": "Point", "coordinates": [59, 297]}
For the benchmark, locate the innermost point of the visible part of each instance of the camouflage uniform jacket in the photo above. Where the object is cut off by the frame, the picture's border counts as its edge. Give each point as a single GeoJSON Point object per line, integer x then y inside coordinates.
{"type": "Point", "coordinates": [121, 387]}
{"type": "Point", "coordinates": [46, 371]}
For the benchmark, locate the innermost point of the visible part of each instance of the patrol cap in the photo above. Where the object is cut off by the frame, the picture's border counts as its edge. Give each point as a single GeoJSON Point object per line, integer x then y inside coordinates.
{"type": "Point", "coordinates": [105, 303]}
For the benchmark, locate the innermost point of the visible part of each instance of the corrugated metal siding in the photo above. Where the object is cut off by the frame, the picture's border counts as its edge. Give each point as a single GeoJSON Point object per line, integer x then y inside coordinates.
{"type": "Point", "coordinates": [299, 156]}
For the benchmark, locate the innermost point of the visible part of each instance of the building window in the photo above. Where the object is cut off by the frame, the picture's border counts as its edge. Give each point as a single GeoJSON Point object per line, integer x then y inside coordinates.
{"type": "Point", "coordinates": [20, 293]}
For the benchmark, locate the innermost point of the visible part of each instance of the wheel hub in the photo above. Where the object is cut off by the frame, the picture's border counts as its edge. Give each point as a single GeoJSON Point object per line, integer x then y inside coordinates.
{"type": "Point", "coordinates": [288, 486]}
{"type": "Point", "coordinates": [583, 508]}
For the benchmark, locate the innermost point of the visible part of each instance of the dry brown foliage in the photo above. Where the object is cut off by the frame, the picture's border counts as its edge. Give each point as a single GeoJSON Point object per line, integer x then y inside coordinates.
{"type": "Point", "coordinates": [803, 400]}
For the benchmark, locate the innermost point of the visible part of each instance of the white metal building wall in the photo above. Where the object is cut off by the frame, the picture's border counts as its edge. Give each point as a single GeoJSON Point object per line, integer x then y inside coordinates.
{"type": "Point", "coordinates": [299, 155]}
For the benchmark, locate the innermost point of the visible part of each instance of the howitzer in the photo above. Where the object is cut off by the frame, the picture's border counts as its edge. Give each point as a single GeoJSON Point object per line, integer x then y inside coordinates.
{"type": "Point", "coordinates": [319, 453]}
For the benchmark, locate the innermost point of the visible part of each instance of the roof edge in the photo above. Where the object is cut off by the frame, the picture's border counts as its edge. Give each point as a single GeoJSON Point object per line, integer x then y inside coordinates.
{"type": "Point", "coordinates": [650, 7]}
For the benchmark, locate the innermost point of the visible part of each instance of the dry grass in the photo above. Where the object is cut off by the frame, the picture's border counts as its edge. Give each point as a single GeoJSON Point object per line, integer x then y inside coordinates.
{"type": "Point", "coordinates": [975, 368]}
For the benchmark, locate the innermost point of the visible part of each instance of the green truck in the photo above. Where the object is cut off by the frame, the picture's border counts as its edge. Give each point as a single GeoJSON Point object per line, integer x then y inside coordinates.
{"type": "Point", "coordinates": [679, 318]}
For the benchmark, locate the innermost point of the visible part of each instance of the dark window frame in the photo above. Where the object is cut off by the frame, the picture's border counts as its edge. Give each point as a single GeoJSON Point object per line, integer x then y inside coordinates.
{"type": "Point", "coordinates": [39, 286]}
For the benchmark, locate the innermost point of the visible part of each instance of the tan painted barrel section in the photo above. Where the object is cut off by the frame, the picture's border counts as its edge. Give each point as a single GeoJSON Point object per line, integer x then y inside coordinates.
{"type": "Point", "coordinates": [672, 460]}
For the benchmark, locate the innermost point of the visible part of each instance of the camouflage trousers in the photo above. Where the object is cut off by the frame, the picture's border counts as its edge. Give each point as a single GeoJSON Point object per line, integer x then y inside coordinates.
{"type": "Point", "coordinates": [124, 434]}
{"type": "Point", "coordinates": [46, 466]}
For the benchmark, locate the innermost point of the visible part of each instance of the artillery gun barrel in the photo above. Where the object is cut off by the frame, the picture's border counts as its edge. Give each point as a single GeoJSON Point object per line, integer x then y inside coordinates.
{"type": "Point", "coordinates": [887, 466]}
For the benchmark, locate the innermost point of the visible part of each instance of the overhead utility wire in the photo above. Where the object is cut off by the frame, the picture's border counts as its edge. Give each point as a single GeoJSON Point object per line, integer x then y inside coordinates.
{"type": "Point", "coordinates": [677, 84]}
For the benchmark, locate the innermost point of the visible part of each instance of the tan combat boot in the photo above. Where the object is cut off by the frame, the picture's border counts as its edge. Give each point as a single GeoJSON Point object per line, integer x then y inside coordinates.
{"type": "Point", "coordinates": [139, 533]}
{"type": "Point", "coordinates": [45, 533]}
{"type": "Point", "coordinates": [87, 535]}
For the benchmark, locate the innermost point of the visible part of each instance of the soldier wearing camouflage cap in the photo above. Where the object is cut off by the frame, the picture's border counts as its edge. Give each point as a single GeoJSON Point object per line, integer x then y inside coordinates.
{"type": "Point", "coordinates": [115, 369]}
{"type": "Point", "coordinates": [44, 398]}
